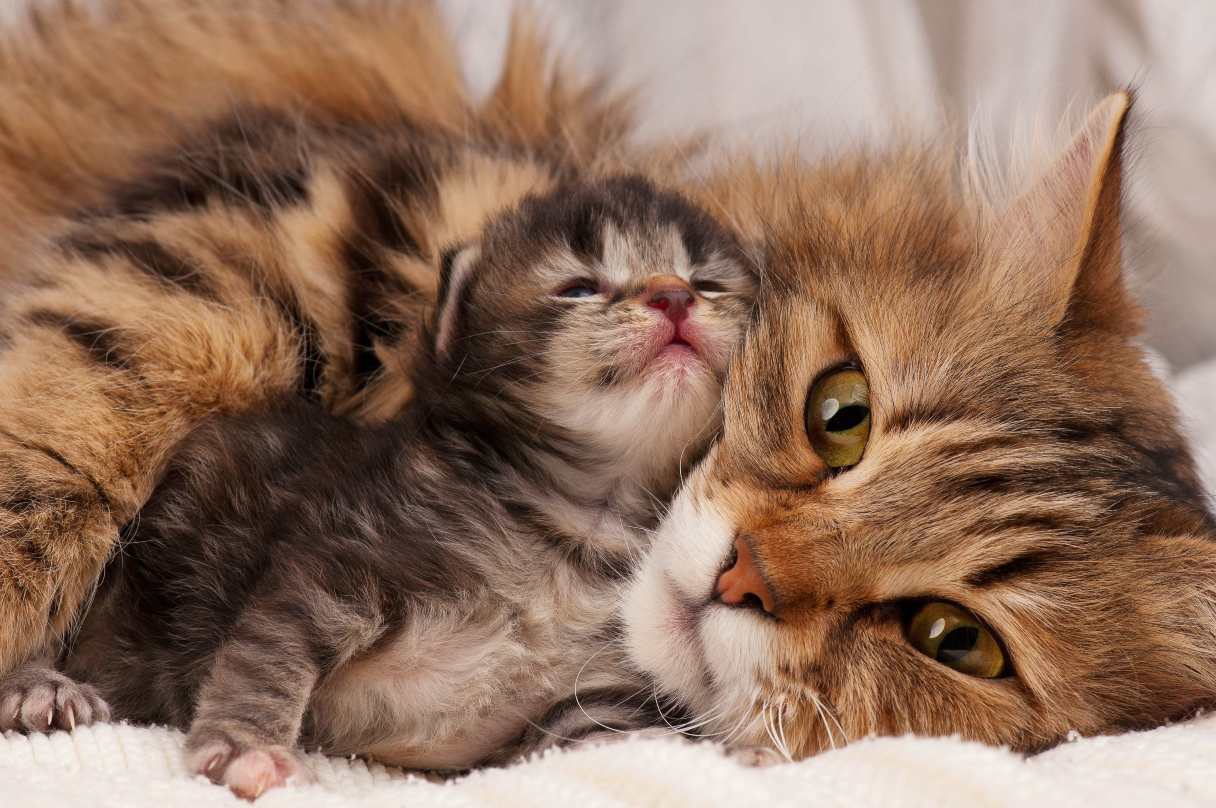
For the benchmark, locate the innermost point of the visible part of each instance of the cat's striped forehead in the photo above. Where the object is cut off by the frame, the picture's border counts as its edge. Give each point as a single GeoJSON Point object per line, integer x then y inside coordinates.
{"type": "Point", "coordinates": [974, 394]}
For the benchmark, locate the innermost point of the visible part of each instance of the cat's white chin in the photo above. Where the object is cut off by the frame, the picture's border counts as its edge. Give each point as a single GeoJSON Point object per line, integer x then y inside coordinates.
{"type": "Point", "coordinates": [702, 653]}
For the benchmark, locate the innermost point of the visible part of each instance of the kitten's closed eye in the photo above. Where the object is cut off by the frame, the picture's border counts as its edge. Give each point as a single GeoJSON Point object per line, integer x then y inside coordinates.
{"type": "Point", "coordinates": [578, 289]}
{"type": "Point", "coordinates": [709, 287]}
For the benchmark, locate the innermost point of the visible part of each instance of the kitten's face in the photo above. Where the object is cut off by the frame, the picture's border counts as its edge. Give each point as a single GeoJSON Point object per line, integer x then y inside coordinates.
{"type": "Point", "coordinates": [612, 309]}
{"type": "Point", "coordinates": [949, 496]}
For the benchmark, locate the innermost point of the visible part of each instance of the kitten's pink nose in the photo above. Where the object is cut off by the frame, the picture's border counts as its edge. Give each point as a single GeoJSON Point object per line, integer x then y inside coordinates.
{"type": "Point", "coordinates": [742, 584]}
{"type": "Point", "coordinates": [670, 295]}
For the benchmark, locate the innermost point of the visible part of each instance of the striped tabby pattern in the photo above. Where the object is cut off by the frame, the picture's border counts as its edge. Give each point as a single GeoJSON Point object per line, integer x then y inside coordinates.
{"type": "Point", "coordinates": [1023, 468]}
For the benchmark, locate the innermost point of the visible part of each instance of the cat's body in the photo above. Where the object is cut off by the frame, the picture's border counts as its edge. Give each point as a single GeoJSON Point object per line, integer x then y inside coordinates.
{"type": "Point", "coordinates": [440, 591]}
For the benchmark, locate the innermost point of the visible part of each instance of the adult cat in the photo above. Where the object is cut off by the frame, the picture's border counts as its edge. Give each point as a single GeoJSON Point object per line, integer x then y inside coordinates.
{"type": "Point", "coordinates": [950, 496]}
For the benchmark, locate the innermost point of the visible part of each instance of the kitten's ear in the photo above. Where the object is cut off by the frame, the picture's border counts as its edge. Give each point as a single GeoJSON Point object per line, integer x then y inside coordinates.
{"type": "Point", "coordinates": [455, 271]}
{"type": "Point", "coordinates": [1069, 221]}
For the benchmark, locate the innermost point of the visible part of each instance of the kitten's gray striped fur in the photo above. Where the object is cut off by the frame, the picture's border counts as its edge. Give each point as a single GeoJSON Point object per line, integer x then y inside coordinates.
{"type": "Point", "coordinates": [439, 592]}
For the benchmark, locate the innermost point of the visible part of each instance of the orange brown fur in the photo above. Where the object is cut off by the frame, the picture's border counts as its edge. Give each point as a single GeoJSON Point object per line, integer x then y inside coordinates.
{"type": "Point", "coordinates": [1023, 463]}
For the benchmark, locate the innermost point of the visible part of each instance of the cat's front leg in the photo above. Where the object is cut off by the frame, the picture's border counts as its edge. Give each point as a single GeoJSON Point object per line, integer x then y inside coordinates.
{"type": "Point", "coordinates": [36, 698]}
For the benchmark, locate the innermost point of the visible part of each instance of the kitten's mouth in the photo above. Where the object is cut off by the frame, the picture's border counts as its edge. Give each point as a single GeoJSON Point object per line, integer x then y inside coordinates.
{"type": "Point", "coordinates": [679, 344]}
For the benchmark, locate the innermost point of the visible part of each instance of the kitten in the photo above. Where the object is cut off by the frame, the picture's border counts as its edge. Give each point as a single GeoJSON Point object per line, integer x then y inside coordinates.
{"type": "Point", "coordinates": [951, 497]}
{"type": "Point", "coordinates": [439, 592]}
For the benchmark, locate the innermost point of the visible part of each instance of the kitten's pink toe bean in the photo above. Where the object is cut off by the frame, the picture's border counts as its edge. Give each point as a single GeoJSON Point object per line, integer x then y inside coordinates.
{"type": "Point", "coordinates": [249, 773]}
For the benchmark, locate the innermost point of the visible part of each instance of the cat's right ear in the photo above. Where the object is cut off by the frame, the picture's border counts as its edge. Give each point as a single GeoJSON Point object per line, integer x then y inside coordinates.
{"type": "Point", "coordinates": [455, 272]}
{"type": "Point", "coordinates": [1067, 227]}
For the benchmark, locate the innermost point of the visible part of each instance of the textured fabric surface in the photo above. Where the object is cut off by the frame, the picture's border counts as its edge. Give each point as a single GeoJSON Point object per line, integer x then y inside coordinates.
{"type": "Point", "coordinates": [125, 766]}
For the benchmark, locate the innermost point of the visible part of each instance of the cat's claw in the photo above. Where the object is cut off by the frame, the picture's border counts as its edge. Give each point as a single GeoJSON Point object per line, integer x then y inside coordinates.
{"type": "Point", "coordinates": [37, 699]}
{"type": "Point", "coordinates": [249, 770]}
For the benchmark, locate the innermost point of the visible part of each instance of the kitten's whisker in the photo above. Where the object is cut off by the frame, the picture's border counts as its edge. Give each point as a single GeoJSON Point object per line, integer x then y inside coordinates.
{"type": "Point", "coordinates": [578, 702]}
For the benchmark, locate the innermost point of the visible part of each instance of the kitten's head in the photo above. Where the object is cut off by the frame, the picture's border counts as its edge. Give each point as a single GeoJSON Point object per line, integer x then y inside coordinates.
{"type": "Point", "coordinates": [949, 496]}
{"type": "Point", "coordinates": [608, 307]}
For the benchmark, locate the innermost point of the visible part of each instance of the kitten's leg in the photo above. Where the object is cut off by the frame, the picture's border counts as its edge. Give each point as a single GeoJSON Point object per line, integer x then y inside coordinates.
{"type": "Point", "coordinates": [251, 707]}
{"type": "Point", "coordinates": [40, 699]}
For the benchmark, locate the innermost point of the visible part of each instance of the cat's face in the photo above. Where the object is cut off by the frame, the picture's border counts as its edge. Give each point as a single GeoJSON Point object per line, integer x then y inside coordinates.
{"type": "Point", "coordinates": [949, 496]}
{"type": "Point", "coordinates": [611, 308]}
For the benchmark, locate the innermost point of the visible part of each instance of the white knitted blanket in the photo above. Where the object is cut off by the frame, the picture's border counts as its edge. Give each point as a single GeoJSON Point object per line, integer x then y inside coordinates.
{"type": "Point", "coordinates": [120, 765]}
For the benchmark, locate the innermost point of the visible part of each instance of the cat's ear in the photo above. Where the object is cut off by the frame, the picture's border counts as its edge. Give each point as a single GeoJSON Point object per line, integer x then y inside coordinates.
{"type": "Point", "coordinates": [455, 271]}
{"type": "Point", "coordinates": [1066, 228]}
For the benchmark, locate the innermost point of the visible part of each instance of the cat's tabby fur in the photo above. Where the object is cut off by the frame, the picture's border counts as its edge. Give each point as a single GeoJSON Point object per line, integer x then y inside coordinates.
{"type": "Point", "coordinates": [1024, 463]}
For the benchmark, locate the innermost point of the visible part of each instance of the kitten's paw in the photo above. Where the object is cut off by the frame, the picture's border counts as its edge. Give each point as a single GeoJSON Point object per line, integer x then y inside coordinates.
{"type": "Point", "coordinates": [36, 699]}
{"type": "Point", "coordinates": [755, 757]}
{"type": "Point", "coordinates": [250, 770]}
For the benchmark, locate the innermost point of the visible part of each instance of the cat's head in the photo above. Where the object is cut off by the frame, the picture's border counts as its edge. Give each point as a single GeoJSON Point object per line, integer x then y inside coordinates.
{"type": "Point", "coordinates": [609, 307]}
{"type": "Point", "coordinates": [949, 496]}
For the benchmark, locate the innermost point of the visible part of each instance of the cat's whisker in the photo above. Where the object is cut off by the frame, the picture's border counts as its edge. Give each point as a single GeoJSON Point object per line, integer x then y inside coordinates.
{"type": "Point", "coordinates": [819, 713]}
{"type": "Point", "coordinates": [782, 707]}
{"type": "Point", "coordinates": [830, 711]}
{"type": "Point", "coordinates": [578, 702]}
{"type": "Point", "coordinates": [684, 728]}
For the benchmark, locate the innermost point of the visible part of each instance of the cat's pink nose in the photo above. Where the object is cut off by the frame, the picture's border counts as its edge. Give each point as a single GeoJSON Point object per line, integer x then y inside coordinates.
{"type": "Point", "coordinates": [670, 295]}
{"type": "Point", "coordinates": [742, 584]}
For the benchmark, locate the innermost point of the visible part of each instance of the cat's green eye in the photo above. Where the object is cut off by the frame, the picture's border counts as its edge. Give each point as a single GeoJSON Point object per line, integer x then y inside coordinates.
{"type": "Point", "coordinates": [955, 638]}
{"type": "Point", "coordinates": [838, 417]}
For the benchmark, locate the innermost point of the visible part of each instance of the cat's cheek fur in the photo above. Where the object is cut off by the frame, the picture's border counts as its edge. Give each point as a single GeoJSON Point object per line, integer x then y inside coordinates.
{"type": "Point", "coordinates": [666, 603]}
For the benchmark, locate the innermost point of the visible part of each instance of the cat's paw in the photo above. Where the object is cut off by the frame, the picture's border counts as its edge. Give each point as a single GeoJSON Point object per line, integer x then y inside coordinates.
{"type": "Point", "coordinates": [37, 699]}
{"type": "Point", "coordinates": [248, 769]}
{"type": "Point", "coordinates": [755, 757]}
